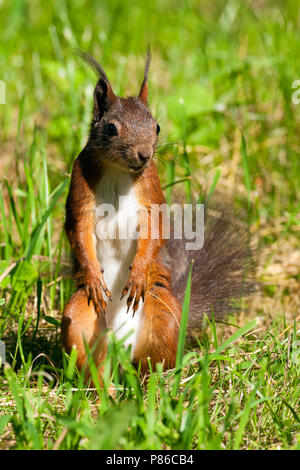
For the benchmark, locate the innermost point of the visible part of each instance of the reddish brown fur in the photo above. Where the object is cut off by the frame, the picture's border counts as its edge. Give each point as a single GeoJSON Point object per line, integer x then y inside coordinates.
{"type": "Point", "coordinates": [158, 339]}
{"type": "Point", "coordinates": [149, 278]}
{"type": "Point", "coordinates": [82, 324]}
{"type": "Point", "coordinates": [148, 190]}
{"type": "Point", "coordinates": [124, 134]}
{"type": "Point", "coordinates": [80, 228]}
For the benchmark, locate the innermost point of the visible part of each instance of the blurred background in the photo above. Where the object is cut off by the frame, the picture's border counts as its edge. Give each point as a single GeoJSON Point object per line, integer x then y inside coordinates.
{"type": "Point", "coordinates": [221, 88]}
{"type": "Point", "coordinates": [218, 67]}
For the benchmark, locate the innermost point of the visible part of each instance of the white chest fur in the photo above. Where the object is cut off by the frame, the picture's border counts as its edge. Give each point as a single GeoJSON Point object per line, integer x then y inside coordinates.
{"type": "Point", "coordinates": [116, 221]}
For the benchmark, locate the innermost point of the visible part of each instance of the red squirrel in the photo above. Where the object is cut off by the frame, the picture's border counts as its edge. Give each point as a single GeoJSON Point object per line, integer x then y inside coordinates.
{"type": "Point", "coordinates": [135, 287]}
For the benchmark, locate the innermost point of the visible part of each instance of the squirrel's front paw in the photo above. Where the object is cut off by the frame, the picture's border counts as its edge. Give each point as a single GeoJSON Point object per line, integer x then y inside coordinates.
{"type": "Point", "coordinates": [136, 286]}
{"type": "Point", "coordinates": [94, 287]}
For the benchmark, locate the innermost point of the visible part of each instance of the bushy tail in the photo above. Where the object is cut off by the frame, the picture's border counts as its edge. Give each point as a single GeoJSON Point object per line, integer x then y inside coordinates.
{"type": "Point", "coordinates": [223, 270]}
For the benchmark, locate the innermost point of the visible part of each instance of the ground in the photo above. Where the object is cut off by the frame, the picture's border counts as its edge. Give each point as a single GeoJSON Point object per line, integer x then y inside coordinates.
{"type": "Point", "coordinates": [221, 87]}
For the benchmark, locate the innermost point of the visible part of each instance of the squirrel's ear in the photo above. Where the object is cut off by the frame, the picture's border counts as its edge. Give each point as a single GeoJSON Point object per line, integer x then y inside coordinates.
{"type": "Point", "coordinates": [143, 95]}
{"type": "Point", "coordinates": [103, 98]}
{"type": "Point", "coordinates": [103, 94]}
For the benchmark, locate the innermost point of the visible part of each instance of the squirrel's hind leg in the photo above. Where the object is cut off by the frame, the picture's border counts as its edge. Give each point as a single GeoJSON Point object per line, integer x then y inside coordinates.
{"type": "Point", "coordinates": [159, 333]}
{"type": "Point", "coordinates": [80, 325]}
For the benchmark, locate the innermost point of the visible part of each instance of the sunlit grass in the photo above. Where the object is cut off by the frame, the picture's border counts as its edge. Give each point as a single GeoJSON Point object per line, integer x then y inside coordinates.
{"type": "Point", "coordinates": [220, 86]}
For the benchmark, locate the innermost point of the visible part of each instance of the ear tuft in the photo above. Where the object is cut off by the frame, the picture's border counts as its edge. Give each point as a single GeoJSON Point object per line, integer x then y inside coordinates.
{"type": "Point", "coordinates": [91, 61]}
{"type": "Point", "coordinates": [143, 95]}
{"type": "Point", "coordinates": [103, 93]}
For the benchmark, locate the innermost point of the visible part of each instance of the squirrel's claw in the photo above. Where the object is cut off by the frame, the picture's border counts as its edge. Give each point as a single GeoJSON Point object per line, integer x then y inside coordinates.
{"type": "Point", "coordinates": [138, 295]}
{"type": "Point", "coordinates": [125, 291]}
{"type": "Point", "coordinates": [135, 287]}
{"type": "Point", "coordinates": [108, 294]}
{"type": "Point", "coordinates": [136, 292]}
{"type": "Point", "coordinates": [95, 295]}
{"type": "Point", "coordinates": [94, 289]}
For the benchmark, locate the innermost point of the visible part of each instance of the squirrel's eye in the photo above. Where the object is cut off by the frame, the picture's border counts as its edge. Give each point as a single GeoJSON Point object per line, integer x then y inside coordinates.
{"type": "Point", "coordinates": [111, 129]}
{"type": "Point", "coordinates": [157, 129]}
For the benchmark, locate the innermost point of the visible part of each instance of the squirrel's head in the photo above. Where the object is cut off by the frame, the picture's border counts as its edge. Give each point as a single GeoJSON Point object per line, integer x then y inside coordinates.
{"type": "Point", "coordinates": [123, 131]}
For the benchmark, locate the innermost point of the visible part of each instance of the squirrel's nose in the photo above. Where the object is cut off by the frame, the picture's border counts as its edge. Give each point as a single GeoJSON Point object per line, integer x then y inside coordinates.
{"type": "Point", "coordinates": [144, 153]}
{"type": "Point", "coordinates": [144, 156]}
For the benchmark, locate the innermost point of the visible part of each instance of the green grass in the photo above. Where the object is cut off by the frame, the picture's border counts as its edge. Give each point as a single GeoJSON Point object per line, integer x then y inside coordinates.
{"type": "Point", "coordinates": [221, 88]}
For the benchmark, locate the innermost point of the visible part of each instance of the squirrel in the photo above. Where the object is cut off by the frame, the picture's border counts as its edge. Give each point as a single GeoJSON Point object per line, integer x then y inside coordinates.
{"type": "Point", "coordinates": [135, 286]}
